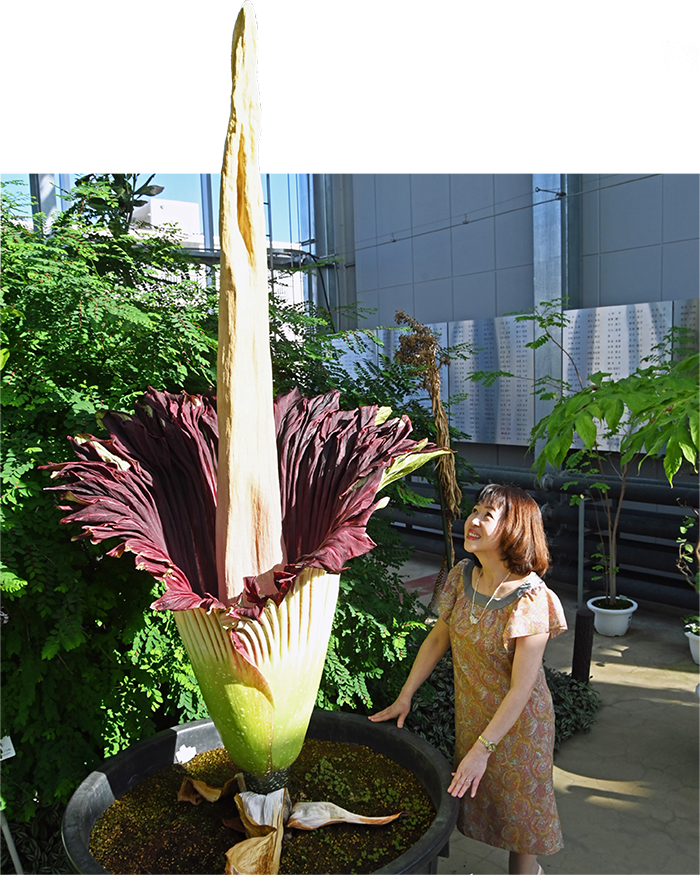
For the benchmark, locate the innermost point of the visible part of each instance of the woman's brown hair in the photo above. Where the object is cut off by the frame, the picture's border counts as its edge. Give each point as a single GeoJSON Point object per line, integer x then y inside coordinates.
{"type": "Point", "coordinates": [523, 541]}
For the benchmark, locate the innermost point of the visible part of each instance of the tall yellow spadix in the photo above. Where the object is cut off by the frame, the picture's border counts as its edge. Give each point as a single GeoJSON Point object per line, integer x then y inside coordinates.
{"type": "Point", "coordinates": [248, 518]}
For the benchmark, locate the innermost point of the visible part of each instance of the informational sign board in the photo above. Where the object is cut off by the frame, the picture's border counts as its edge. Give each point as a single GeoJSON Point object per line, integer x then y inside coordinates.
{"type": "Point", "coordinates": [356, 349]}
{"type": "Point", "coordinates": [476, 414]}
{"type": "Point", "coordinates": [8, 749]}
{"type": "Point", "coordinates": [686, 314]}
{"type": "Point", "coordinates": [612, 340]}
{"type": "Point", "coordinates": [502, 412]}
{"type": "Point", "coordinates": [515, 415]}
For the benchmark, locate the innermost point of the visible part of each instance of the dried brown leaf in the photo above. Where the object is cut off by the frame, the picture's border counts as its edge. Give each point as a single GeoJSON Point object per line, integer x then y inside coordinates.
{"type": "Point", "coordinates": [195, 791]}
{"type": "Point", "coordinates": [259, 810]}
{"type": "Point", "coordinates": [263, 816]}
{"type": "Point", "coordinates": [312, 815]}
{"type": "Point", "coordinates": [256, 856]}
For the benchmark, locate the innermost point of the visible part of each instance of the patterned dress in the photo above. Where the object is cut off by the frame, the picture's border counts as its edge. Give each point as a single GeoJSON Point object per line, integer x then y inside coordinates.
{"type": "Point", "coordinates": [514, 806]}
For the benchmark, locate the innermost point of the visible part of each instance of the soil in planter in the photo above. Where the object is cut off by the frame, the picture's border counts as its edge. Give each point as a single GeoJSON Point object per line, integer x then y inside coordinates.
{"type": "Point", "coordinates": [149, 831]}
{"type": "Point", "coordinates": [620, 604]}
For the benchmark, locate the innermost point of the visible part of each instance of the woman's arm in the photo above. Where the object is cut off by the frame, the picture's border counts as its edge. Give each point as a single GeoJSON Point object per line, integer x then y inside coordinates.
{"type": "Point", "coordinates": [431, 652]}
{"type": "Point", "coordinates": [527, 660]}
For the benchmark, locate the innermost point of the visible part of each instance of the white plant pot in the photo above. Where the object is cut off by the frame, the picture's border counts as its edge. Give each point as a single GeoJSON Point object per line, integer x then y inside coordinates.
{"type": "Point", "coordinates": [694, 641]}
{"type": "Point", "coordinates": [612, 622]}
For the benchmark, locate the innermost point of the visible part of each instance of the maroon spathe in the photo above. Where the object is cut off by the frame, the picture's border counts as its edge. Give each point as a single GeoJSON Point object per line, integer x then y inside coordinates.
{"type": "Point", "coordinates": [152, 485]}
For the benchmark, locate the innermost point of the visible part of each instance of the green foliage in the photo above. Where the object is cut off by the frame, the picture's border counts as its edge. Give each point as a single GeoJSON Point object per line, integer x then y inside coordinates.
{"type": "Point", "coordinates": [375, 619]}
{"type": "Point", "coordinates": [687, 562]}
{"type": "Point", "coordinates": [691, 623]}
{"type": "Point", "coordinates": [433, 709]}
{"type": "Point", "coordinates": [111, 198]}
{"type": "Point", "coordinates": [575, 704]}
{"type": "Point", "coordinates": [86, 667]}
{"type": "Point", "coordinates": [653, 412]}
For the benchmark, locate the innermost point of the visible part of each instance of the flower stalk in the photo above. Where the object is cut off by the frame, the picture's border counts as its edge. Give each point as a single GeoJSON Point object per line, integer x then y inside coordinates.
{"type": "Point", "coordinates": [248, 515]}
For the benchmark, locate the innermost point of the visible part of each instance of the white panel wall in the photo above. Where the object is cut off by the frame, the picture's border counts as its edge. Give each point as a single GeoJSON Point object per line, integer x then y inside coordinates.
{"type": "Point", "coordinates": [639, 239]}
{"type": "Point", "coordinates": [440, 133]}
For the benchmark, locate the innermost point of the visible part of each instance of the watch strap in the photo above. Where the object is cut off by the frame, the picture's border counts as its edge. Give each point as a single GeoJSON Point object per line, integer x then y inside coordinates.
{"type": "Point", "coordinates": [489, 745]}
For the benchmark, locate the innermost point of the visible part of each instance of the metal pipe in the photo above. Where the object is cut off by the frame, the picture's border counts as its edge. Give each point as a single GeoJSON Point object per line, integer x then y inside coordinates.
{"type": "Point", "coordinates": [583, 645]}
{"type": "Point", "coordinates": [638, 488]}
{"type": "Point", "coordinates": [676, 593]}
{"type": "Point", "coordinates": [424, 532]}
{"type": "Point", "coordinates": [11, 844]}
{"type": "Point", "coordinates": [581, 557]}
{"type": "Point", "coordinates": [657, 557]}
{"type": "Point", "coordinates": [653, 524]}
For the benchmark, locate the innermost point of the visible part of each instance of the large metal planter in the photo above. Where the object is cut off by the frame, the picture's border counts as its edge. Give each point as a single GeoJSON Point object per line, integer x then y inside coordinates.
{"type": "Point", "coordinates": [120, 773]}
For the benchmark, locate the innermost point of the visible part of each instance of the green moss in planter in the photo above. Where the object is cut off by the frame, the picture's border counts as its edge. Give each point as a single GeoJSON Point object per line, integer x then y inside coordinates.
{"type": "Point", "coordinates": [149, 831]}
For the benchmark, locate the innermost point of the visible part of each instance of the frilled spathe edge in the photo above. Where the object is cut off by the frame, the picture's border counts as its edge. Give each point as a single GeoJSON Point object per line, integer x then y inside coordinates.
{"type": "Point", "coordinates": [152, 486]}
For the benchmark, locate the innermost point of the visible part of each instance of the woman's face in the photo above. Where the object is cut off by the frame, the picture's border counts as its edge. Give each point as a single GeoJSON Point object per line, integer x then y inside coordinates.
{"type": "Point", "coordinates": [481, 529]}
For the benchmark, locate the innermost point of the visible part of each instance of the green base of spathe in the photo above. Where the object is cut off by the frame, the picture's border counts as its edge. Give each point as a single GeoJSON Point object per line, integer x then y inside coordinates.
{"type": "Point", "coordinates": [261, 703]}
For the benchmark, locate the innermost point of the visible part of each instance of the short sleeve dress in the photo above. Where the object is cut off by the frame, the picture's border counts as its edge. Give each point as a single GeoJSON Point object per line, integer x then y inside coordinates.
{"type": "Point", "coordinates": [514, 806]}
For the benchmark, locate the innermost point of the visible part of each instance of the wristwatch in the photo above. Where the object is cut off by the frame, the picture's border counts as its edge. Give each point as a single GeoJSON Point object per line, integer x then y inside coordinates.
{"type": "Point", "coordinates": [489, 745]}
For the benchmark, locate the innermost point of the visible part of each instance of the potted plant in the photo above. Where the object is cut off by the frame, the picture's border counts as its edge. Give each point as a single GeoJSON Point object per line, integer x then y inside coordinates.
{"type": "Point", "coordinates": [687, 556]}
{"type": "Point", "coordinates": [651, 413]}
{"type": "Point", "coordinates": [246, 510]}
{"type": "Point", "coordinates": [692, 633]}
{"type": "Point", "coordinates": [114, 779]}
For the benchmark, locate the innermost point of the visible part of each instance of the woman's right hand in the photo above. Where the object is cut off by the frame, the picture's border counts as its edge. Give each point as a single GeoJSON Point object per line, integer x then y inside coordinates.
{"type": "Point", "coordinates": [399, 710]}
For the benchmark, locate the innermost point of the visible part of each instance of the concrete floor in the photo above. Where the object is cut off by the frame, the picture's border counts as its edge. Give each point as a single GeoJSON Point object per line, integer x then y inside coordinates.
{"type": "Point", "coordinates": [627, 791]}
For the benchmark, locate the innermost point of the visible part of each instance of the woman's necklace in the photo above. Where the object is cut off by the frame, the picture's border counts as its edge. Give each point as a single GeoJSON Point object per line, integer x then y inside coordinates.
{"type": "Point", "coordinates": [473, 619]}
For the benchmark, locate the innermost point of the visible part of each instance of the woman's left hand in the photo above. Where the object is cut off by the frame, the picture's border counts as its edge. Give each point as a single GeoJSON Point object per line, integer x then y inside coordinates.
{"type": "Point", "coordinates": [469, 772]}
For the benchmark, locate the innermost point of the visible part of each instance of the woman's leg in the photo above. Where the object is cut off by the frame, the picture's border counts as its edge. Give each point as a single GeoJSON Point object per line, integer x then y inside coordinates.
{"type": "Point", "coordinates": [523, 864]}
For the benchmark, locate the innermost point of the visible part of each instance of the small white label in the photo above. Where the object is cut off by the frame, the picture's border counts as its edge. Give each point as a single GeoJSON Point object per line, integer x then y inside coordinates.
{"type": "Point", "coordinates": [8, 749]}
{"type": "Point", "coordinates": [185, 754]}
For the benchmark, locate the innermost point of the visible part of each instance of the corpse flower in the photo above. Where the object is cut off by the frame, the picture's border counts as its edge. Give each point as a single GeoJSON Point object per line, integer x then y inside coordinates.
{"type": "Point", "coordinates": [248, 516]}
{"type": "Point", "coordinates": [258, 656]}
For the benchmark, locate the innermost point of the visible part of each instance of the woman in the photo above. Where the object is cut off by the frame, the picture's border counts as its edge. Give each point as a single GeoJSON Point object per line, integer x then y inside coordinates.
{"type": "Point", "coordinates": [497, 614]}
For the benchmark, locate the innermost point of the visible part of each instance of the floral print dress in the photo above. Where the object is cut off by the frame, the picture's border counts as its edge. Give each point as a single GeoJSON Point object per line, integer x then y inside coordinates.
{"type": "Point", "coordinates": [514, 806]}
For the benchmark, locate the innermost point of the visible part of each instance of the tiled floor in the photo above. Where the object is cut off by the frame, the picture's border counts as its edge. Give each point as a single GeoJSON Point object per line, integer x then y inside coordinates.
{"type": "Point", "coordinates": [627, 791]}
